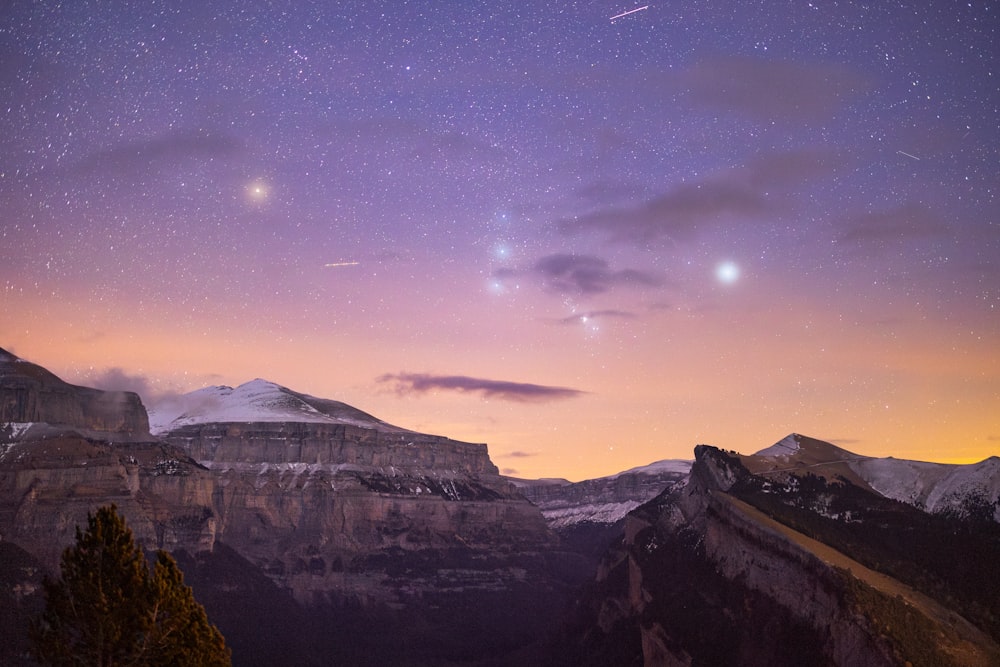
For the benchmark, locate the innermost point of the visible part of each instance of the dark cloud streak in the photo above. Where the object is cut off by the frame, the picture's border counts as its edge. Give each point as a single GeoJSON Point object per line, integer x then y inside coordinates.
{"type": "Point", "coordinates": [521, 392]}
{"type": "Point", "coordinates": [587, 274]}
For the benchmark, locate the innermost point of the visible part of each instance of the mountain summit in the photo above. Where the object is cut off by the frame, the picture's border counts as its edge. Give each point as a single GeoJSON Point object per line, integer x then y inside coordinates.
{"type": "Point", "coordinates": [256, 401]}
{"type": "Point", "coordinates": [962, 490]}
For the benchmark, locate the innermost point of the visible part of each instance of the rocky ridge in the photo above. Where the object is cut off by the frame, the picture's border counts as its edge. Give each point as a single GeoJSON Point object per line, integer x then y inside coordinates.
{"type": "Point", "coordinates": [960, 490]}
{"type": "Point", "coordinates": [735, 567]}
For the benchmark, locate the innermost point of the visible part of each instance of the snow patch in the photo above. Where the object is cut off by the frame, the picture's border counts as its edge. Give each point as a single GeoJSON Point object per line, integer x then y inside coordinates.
{"type": "Point", "coordinates": [16, 430]}
{"type": "Point", "coordinates": [597, 513]}
{"type": "Point", "coordinates": [677, 466]}
{"type": "Point", "coordinates": [787, 446]}
{"type": "Point", "coordinates": [933, 487]}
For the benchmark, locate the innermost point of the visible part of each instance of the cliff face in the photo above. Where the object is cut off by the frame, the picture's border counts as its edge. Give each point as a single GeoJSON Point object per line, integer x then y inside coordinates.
{"type": "Point", "coordinates": [65, 450]}
{"type": "Point", "coordinates": [311, 443]}
{"type": "Point", "coordinates": [326, 509]}
{"type": "Point", "coordinates": [29, 394]}
{"type": "Point", "coordinates": [703, 576]}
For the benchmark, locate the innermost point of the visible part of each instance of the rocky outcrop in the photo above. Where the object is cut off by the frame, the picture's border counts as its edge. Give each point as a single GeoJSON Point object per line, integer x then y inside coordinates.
{"type": "Point", "coordinates": [771, 594]}
{"type": "Point", "coordinates": [65, 450]}
{"type": "Point", "coordinates": [319, 443]}
{"type": "Point", "coordinates": [31, 395]}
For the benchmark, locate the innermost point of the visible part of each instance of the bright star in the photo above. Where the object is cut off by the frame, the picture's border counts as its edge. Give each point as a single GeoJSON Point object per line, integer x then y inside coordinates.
{"type": "Point", "coordinates": [257, 191]}
{"type": "Point", "coordinates": [727, 273]}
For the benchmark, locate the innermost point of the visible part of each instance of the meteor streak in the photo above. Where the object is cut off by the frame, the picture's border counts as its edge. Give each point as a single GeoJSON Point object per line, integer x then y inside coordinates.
{"type": "Point", "coordinates": [336, 264]}
{"type": "Point", "coordinates": [631, 11]}
{"type": "Point", "coordinates": [908, 155]}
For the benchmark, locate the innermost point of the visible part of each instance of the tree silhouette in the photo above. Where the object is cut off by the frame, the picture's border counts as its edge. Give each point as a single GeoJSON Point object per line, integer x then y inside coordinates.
{"type": "Point", "coordinates": [107, 609]}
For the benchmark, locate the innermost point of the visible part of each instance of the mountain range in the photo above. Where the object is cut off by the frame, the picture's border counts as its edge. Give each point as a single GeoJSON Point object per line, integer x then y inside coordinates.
{"type": "Point", "coordinates": [315, 533]}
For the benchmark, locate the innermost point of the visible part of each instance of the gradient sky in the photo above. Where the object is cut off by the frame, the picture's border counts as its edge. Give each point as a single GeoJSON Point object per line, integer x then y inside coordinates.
{"type": "Point", "coordinates": [589, 243]}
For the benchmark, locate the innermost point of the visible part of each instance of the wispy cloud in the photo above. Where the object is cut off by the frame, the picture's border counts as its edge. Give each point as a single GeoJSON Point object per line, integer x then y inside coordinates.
{"type": "Point", "coordinates": [749, 192]}
{"type": "Point", "coordinates": [677, 215]}
{"type": "Point", "coordinates": [139, 158]}
{"type": "Point", "coordinates": [773, 89]}
{"type": "Point", "coordinates": [901, 224]}
{"type": "Point", "coordinates": [587, 274]}
{"type": "Point", "coordinates": [117, 379]}
{"type": "Point", "coordinates": [522, 392]}
{"type": "Point", "coordinates": [517, 455]}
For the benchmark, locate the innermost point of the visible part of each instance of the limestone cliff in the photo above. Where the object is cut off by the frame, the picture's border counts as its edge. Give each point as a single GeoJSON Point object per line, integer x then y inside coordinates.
{"type": "Point", "coordinates": [65, 450]}
{"type": "Point", "coordinates": [31, 395]}
{"type": "Point", "coordinates": [330, 501]}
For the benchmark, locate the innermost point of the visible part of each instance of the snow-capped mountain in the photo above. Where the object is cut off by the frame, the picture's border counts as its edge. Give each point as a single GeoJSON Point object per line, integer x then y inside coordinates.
{"type": "Point", "coordinates": [962, 489]}
{"type": "Point", "coordinates": [254, 402]}
{"type": "Point", "coordinates": [605, 500]}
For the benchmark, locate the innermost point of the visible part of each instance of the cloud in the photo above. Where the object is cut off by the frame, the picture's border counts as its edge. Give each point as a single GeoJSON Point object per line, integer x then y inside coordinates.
{"type": "Point", "coordinates": [773, 89]}
{"type": "Point", "coordinates": [140, 158]}
{"type": "Point", "coordinates": [678, 215]}
{"type": "Point", "coordinates": [604, 190]}
{"type": "Point", "coordinates": [521, 392]}
{"type": "Point", "coordinates": [517, 455]}
{"type": "Point", "coordinates": [509, 471]}
{"type": "Point", "coordinates": [875, 230]}
{"type": "Point", "coordinates": [587, 274]}
{"type": "Point", "coordinates": [117, 379]}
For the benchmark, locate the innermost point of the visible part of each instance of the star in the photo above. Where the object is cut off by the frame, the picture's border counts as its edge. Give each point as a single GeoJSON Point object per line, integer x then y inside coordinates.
{"type": "Point", "coordinates": [727, 272]}
{"type": "Point", "coordinates": [257, 191]}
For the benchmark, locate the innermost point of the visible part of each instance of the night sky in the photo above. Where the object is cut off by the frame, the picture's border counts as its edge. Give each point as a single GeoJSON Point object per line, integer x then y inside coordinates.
{"type": "Point", "coordinates": [589, 242]}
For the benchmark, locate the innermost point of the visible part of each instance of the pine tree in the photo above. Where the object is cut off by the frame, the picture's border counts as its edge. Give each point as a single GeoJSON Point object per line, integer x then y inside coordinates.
{"type": "Point", "coordinates": [107, 610]}
{"type": "Point", "coordinates": [182, 634]}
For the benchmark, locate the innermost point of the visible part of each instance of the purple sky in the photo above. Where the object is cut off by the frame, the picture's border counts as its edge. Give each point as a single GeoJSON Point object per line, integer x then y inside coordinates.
{"type": "Point", "coordinates": [590, 243]}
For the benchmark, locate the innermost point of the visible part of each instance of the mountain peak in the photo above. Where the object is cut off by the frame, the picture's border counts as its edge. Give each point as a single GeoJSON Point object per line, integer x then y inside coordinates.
{"type": "Point", "coordinates": [784, 447]}
{"type": "Point", "coordinates": [258, 400]}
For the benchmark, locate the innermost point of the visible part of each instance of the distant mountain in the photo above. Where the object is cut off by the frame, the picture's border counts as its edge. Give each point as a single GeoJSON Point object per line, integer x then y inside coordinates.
{"type": "Point", "coordinates": [603, 500]}
{"type": "Point", "coordinates": [970, 490]}
{"type": "Point", "coordinates": [256, 401]}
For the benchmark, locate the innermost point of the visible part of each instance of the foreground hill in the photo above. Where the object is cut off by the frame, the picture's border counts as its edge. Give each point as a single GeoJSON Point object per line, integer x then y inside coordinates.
{"type": "Point", "coordinates": [784, 566]}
